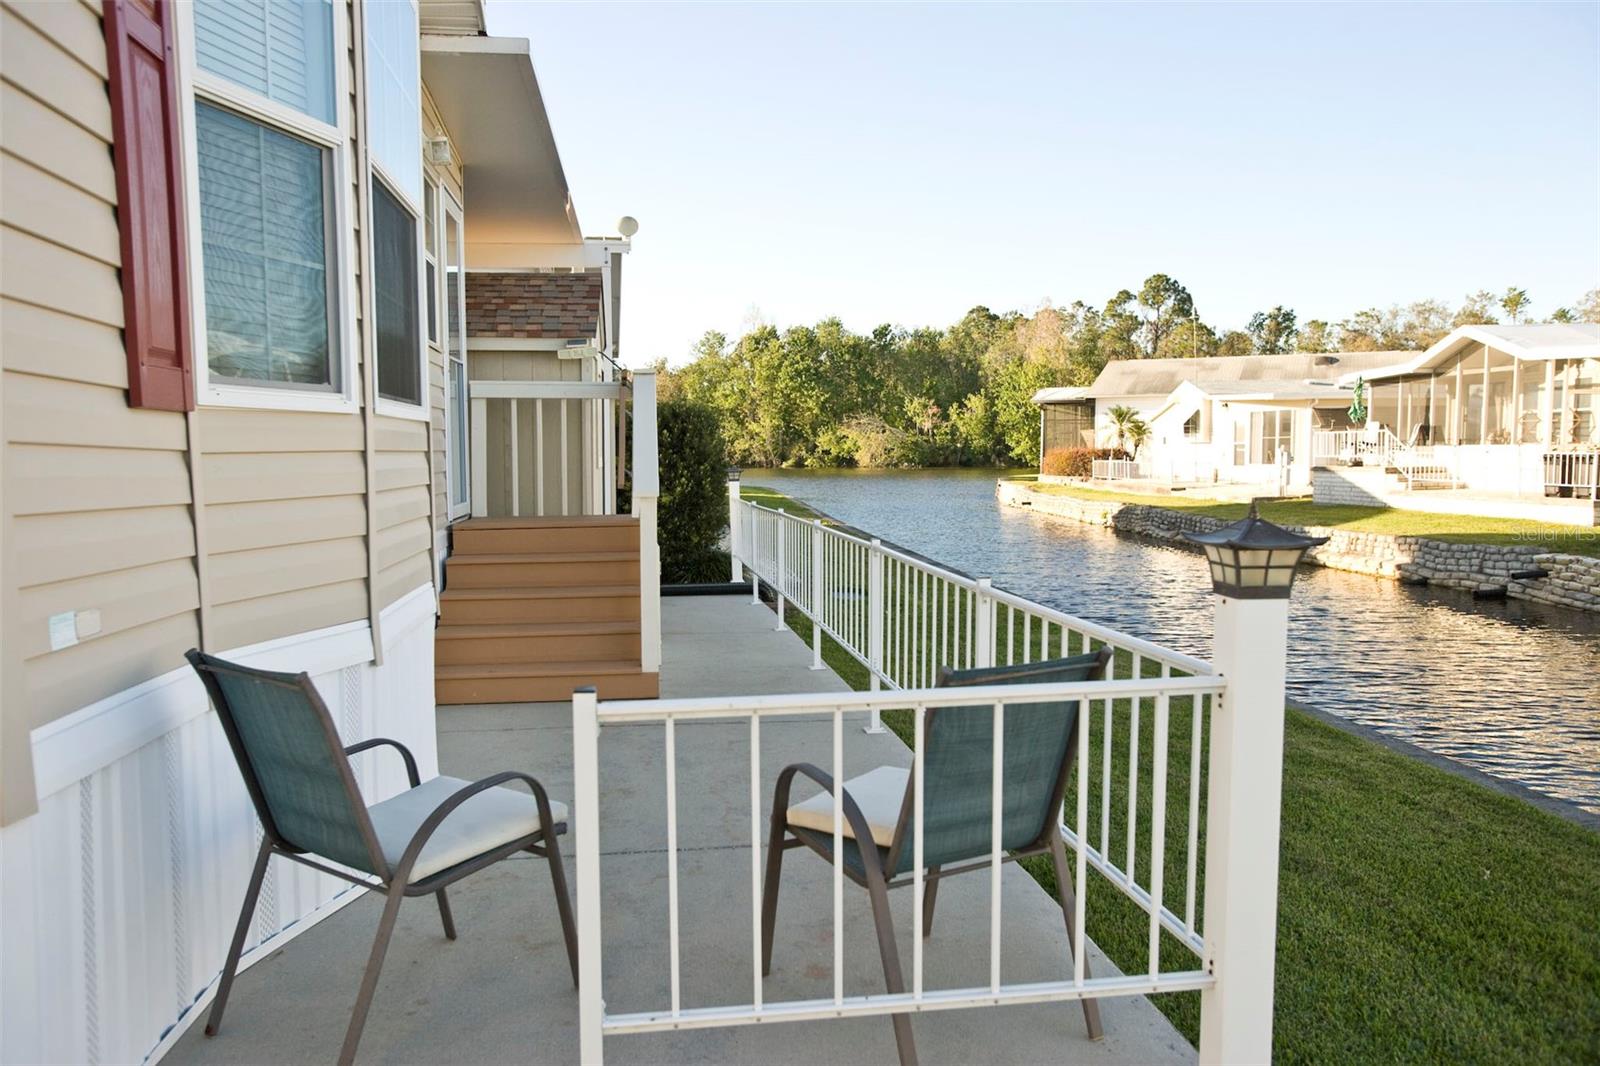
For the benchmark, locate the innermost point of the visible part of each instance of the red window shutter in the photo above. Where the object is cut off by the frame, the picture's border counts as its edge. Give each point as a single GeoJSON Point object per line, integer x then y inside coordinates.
{"type": "Point", "coordinates": [143, 66]}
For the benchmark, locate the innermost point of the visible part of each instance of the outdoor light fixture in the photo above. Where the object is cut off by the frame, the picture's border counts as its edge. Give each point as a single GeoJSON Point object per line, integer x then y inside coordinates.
{"type": "Point", "coordinates": [733, 473]}
{"type": "Point", "coordinates": [1253, 559]}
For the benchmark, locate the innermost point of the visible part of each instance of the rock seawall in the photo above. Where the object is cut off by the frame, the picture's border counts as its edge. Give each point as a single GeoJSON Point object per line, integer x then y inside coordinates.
{"type": "Point", "coordinates": [1483, 569]}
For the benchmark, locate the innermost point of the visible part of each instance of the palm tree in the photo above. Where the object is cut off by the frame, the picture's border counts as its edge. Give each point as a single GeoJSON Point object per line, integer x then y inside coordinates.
{"type": "Point", "coordinates": [1515, 303]}
{"type": "Point", "coordinates": [1123, 418]}
{"type": "Point", "coordinates": [1138, 434]}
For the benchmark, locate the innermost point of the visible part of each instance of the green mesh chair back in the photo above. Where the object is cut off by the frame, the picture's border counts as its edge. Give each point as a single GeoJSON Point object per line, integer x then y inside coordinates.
{"type": "Point", "coordinates": [292, 761]}
{"type": "Point", "coordinates": [958, 772]}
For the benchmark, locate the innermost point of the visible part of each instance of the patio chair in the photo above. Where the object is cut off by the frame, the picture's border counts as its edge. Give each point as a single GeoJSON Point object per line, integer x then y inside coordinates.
{"type": "Point", "coordinates": [415, 844]}
{"type": "Point", "coordinates": [1040, 742]}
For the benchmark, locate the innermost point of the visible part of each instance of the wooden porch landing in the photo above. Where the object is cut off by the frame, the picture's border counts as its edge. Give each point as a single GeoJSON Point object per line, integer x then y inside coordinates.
{"type": "Point", "coordinates": [535, 607]}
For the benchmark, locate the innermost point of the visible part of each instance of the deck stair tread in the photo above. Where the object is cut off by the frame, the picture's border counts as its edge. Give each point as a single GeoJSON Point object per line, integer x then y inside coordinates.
{"type": "Point", "coordinates": [533, 525]}
{"type": "Point", "coordinates": [540, 592]}
{"type": "Point", "coordinates": [471, 630]}
{"type": "Point", "coordinates": [474, 559]}
{"type": "Point", "coordinates": [553, 669]}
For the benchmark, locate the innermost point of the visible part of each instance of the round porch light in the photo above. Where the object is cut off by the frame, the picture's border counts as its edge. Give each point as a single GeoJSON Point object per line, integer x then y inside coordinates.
{"type": "Point", "coordinates": [1253, 559]}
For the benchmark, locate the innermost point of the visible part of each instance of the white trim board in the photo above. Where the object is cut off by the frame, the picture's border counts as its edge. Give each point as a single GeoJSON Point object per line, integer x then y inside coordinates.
{"type": "Point", "coordinates": [71, 748]}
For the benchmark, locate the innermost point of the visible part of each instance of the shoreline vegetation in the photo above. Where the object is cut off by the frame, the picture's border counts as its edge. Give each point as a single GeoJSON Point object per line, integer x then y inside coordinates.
{"type": "Point", "coordinates": [1410, 926]}
{"type": "Point", "coordinates": [1300, 511]}
{"type": "Point", "coordinates": [826, 396]}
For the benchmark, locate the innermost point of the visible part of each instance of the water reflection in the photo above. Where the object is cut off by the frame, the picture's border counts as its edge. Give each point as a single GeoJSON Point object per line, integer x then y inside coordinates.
{"type": "Point", "coordinates": [1509, 687]}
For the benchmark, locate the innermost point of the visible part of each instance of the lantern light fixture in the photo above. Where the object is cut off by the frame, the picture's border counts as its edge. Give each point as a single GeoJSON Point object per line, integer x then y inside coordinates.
{"type": "Point", "coordinates": [1253, 559]}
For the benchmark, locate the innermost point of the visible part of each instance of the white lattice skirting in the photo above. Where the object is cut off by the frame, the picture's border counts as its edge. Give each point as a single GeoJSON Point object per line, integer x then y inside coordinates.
{"type": "Point", "coordinates": [118, 897]}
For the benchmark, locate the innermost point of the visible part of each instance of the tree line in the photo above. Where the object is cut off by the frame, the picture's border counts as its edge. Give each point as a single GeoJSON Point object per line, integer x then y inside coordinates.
{"type": "Point", "coordinates": [826, 396]}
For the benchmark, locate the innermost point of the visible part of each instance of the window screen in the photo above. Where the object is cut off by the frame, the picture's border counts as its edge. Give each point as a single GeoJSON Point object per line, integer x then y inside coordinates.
{"type": "Point", "coordinates": [264, 237]}
{"type": "Point", "coordinates": [394, 266]}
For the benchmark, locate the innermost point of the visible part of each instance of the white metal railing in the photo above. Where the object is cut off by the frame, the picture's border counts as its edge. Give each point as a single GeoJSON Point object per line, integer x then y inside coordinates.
{"type": "Point", "coordinates": [1417, 464]}
{"type": "Point", "coordinates": [646, 495]}
{"type": "Point", "coordinates": [1117, 702]}
{"type": "Point", "coordinates": [565, 429]}
{"type": "Point", "coordinates": [905, 618]}
{"type": "Point", "coordinates": [1117, 470]}
{"type": "Point", "coordinates": [1574, 473]}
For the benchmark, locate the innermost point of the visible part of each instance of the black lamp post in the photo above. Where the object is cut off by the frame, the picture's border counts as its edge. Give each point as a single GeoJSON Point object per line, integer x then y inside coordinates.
{"type": "Point", "coordinates": [1253, 559]}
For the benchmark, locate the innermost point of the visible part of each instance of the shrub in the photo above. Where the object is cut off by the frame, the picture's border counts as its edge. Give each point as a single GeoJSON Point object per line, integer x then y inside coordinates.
{"type": "Point", "coordinates": [693, 512]}
{"type": "Point", "coordinates": [1076, 462]}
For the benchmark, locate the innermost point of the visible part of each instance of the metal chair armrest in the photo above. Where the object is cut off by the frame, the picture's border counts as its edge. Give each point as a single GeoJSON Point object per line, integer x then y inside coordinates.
{"type": "Point", "coordinates": [852, 813]}
{"type": "Point", "coordinates": [405, 753]}
{"type": "Point", "coordinates": [419, 840]}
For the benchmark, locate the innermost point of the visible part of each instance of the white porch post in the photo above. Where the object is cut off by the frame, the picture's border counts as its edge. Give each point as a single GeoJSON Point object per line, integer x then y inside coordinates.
{"type": "Point", "coordinates": [875, 608]}
{"type": "Point", "coordinates": [646, 491]}
{"type": "Point", "coordinates": [736, 546]}
{"type": "Point", "coordinates": [817, 592]}
{"type": "Point", "coordinates": [478, 456]}
{"type": "Point", "coordinates": [586, 845]}
{"type": "Point", "coordinates": [1243, 816]}
{"type": "Point", "coordinates": [983, 624]}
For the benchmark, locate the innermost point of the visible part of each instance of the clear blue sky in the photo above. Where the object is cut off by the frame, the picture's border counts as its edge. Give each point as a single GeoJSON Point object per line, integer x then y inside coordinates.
{"type": "Point", "coordinates": [901, 163]}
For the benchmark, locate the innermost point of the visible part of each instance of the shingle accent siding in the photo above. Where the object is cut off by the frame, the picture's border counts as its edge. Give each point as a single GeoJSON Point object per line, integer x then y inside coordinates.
{"type": "Point", "coordinates": [561, 306]}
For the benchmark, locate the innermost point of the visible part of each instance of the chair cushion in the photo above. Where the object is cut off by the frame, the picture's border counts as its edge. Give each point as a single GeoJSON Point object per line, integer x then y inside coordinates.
{"type": "Point", "coordinates": [493, 817]}
{"type": "Point", "coordinates": [879, 793]}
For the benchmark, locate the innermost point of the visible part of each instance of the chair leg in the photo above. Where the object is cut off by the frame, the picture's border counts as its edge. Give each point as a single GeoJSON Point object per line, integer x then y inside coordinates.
{"type": "Point", "coordinates": [444, 915]}
{"type": "Point", "coordinates": [1058, 856]}
{"type": "Point", "coordinates": [892, 977]}
{"type": "Point", "coordinates": [369, 980]}
{"type": "Point", "coordinates": [769, 893]}
{"type": "Point", "coordinates": [231, 967]}
{"type": "Point", "coordinates": [558, 878]}
{"type": "Point", "coordinates": [930, 891]}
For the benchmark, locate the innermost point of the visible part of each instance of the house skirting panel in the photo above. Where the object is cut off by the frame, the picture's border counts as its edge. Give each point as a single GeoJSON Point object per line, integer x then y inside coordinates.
{"type": "Point", "coordinates": [118, 898]}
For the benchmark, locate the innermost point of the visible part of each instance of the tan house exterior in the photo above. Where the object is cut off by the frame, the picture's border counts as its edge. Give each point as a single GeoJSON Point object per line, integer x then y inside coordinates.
{"type": "Point", "coordinates": [287, 501]}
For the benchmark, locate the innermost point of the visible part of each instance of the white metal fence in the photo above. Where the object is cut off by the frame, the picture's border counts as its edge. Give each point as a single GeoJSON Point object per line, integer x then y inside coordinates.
{"type": "Point", "coordinates": [1142, 736]}
{"type": "Point", "coordinates": [1117, 470]}
{"type": "Point", "coordinates": [1573, 473]}
{"type": "Point", "coordinates": [1108, 733]}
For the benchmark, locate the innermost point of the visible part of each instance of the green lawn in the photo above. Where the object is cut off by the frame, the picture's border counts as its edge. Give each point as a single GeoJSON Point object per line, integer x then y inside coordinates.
{"type": "Point", "coordinates": [1422, 917]}
{"type": "Point", "coordinates": [1465, 529]}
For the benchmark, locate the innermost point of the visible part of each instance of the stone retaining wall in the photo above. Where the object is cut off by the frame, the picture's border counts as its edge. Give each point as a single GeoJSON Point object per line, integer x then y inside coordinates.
{"type": "Point", "coordinates": [1573, 581]}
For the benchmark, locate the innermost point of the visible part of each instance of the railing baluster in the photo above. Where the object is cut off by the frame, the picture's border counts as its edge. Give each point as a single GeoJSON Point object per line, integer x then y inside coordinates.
{"type": "Point", "coordinates": [1133, 784]}
{"type": "Point", "coordinates": [838, 850]}
{"type": "Point", "coordinates": [1194, 812]}
{"type": "Point", "coordinates": [1158, 829]}
{"type": "Point", "coordinates": [1027, 636]}
{"type": "Point", "coordinates": [516, 457]}
{"type": "Point", "coordinates": [671, 756]}
{"type": "Point", "coordinates": [918, 887]}
{"type": "Point", "coordinates": [538, 465]}
{"type": "Point", "coordinates": [1079, 952]}
{"type": "Point", "coordinates": [996, 827]}
{"type": "Point", "coordinates": [563, 404]}
{"type": "Point", "coordinates": [1105, 784]}
{"type": "Point", "coordinates": [755, 859]}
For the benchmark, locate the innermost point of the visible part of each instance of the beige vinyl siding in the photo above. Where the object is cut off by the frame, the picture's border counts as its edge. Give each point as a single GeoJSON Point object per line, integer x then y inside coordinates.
{"type": "Point", "coordinates": [450, 177]}
{"type": "Point", "coordinates": [97, 495]}
{"type": "Point", "coordinates": [285, 522]}
{"type": "Point", "coordinates": [401, 480]}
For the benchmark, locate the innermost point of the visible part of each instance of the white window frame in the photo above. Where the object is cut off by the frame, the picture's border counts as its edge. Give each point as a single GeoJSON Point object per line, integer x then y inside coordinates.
{"type": "Point", "coordinates": [431, 195]}
{"type": "Point", "coordinates": [376, 171]}
{"type": "Point", "coordinates": [449, 207]}
{"type": "Point", "coordinates": [200, 86]}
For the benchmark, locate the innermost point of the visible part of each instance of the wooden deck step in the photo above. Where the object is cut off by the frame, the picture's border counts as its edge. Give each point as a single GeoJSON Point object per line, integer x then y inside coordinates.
{"type": "Point", "coordinates": [536, 642]}
{"type": "Point", "coordinates": [541, 569]}
{"type": "Point", "coordinates": [490, 536]}
{"type": "Point", "coordinates": [558, 603]}
{"type": "Point", "coordinates": [542, 682]}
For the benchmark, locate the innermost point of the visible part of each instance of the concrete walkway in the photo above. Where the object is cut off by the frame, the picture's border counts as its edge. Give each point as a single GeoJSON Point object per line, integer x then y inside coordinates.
{"type": "Point", "coordinates": [502, 992]}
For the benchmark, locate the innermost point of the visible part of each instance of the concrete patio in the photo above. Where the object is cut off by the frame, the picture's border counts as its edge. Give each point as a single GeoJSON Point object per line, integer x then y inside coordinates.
{"type": "Point", "coordinates": [502, 992]}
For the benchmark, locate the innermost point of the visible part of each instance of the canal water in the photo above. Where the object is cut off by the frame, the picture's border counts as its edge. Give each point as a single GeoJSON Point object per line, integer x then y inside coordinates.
{"type": "Point", "coordinates": [1508, 687]}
